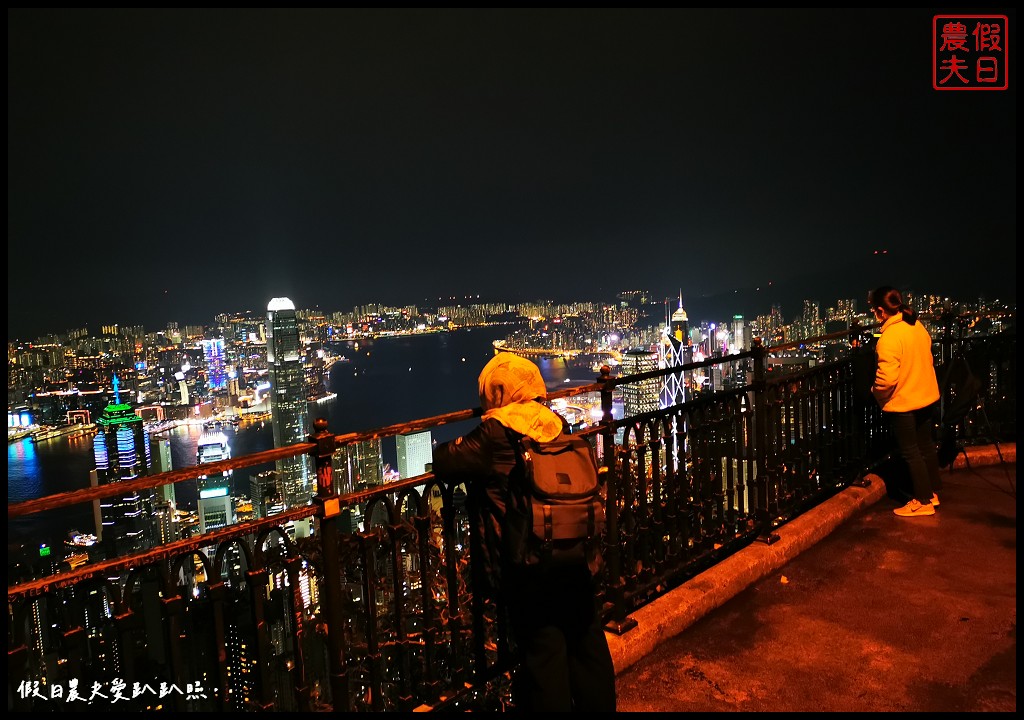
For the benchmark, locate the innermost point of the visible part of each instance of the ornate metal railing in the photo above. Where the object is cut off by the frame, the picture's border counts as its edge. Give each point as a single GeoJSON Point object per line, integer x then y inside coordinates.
{"type": "Point", "coordinates": [381, 615]}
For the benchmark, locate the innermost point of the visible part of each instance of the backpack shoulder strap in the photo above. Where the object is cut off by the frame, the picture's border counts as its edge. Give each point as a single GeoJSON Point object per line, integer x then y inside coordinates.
{"type": "Point", "coordinates": [518, 443]}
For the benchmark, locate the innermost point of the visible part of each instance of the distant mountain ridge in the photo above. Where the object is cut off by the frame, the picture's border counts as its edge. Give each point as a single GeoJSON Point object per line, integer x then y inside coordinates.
{"type": "Point", "coordinates": [853, 281]}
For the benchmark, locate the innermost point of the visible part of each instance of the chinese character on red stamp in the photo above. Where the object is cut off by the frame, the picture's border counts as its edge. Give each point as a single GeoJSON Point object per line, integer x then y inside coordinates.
{"type": "Point", "coordinates": [969, 52]}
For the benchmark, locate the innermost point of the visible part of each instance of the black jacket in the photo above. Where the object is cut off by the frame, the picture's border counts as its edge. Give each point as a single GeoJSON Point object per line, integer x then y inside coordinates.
{"type": "Point", "coordinates": [483, 459]}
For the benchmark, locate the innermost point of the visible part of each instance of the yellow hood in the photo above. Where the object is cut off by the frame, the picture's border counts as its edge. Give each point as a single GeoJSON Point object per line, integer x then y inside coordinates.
{"type": "Point", "coordinates": [508, 386]}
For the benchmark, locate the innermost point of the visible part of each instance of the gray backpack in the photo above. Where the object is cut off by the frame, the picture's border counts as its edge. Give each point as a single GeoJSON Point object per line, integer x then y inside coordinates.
{"type": "Point", "coordinates": [555, 510]}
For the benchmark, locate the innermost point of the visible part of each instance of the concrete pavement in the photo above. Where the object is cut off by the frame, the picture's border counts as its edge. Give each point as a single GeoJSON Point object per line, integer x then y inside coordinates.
{"type": "Point", "coordinates": [852, 609]}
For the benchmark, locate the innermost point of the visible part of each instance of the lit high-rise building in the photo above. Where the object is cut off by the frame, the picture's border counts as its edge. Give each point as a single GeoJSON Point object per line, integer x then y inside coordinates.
{"type": "Point", "coordinates": [676, 350]}
{"type": "Point", "coordinates": [233, 385]}
{"type": "Point", "coordinates": [289, 414]}
{"type": "Point", "coordinates": [415, 452]}
{"type": "Point", "coordinates": [714, 345]}
{"type": "Point", "coordinates": [216, 372]}
{"type": "Point", "coordinates": [810, 323]}
{"type": "Point", "coordinates": [164, 502]}
{"type": "Point", "coordinates": [182, 387]}
{"type": "Point", "coordinates": [357, 466]}
{"type": "Point", "coordinates": [239, 645]}
{"type": "Point", "coordinates": [643, 395]}
{"type": "Point", "coordinates": [163, 522]}
{"type": "Point", "coordinates": [216, 504]}
{"type": "Point", "coordinates": [265, 494]}
{"type": "Point", "coordinates": [739, 340]}
{"type": "Point", "coordinates": [680, 324]}
{"type": "Point", "coordinates": [121, 450]}
{"type": "Point", "coordinates": [161, 456]}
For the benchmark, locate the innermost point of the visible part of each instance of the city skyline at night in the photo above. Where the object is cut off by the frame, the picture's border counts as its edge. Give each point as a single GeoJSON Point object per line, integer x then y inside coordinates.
{"type": "Point", "coordinates": [170, 157]}
{"type": "Point", "coordinates": [789, 304]}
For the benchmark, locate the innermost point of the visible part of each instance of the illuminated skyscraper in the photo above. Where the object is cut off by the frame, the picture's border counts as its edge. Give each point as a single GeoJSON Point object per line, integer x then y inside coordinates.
{"type": "Point", "coordinates": [233, 385]}
{"type": "Point", "coordinates": [810, 321]}
{"type": "Point", "coordinates": [216, 504]}
{"type": "Point", "coordinates": [357, 466]}
{"type": "Point", "coordinates": [675, 350]}
{"type": "Point", "coordinates": [121, 450]}
{"type": "Point", "coordinates": [265, 494]}
{"type": "Point", "coordinates": [288, 408]}
{"type": "Point", "coordinates": [643, 395]}
{"type": "Point", "coordinates": [164, 503]}
{"type": "Point", "coordinates": [415, 452]}
{"type": "Point", "coordinates": [216, 372]}
{"type": "Point", "coordinates": [240, 644]}
{"type": "Point", "coordinates": [681, 324]}
{"type": "Point", "coordinates": [182, 387]}
{"type": "Point", "coordinates": [162, 462]}
{"type": "Point", "coordinates": [739, 340]}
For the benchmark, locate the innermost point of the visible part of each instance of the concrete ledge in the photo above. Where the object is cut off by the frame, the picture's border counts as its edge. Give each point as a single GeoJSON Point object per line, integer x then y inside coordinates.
{"type": "Point", "coordinates": [673, 613]}
{"type": "Point", "coordinates": [986, 454]}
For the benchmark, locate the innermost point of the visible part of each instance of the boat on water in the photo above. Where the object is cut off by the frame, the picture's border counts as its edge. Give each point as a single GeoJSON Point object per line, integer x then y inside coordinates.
{"type": "Point", "coordinates": [159, 426]}
{"type": "Point", "coordinates": [49, 432]}
{"type": "Point", "coordinates": [222, 421]}
{"type": "Point", "coordinates": [321, 398]}
{"type": "Point", "coordinates": [20, 432]}
{"type": "Point", "coordinates": [331, 360]}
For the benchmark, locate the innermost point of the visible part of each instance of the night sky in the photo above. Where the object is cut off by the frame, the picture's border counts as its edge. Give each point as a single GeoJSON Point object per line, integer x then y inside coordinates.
{"type": "Point", "coordinates": [170, 165]}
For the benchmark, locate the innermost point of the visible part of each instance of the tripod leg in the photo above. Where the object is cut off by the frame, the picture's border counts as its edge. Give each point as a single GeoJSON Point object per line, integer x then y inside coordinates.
{"type": "Point", "coordinates": [949, 447]}
{"type": "Point", "coordinates": [988, 428]}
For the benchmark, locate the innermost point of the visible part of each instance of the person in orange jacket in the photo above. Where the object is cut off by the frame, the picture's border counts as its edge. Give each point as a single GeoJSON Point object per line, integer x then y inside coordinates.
{"type": "Point", "coordinates": [907, 390]}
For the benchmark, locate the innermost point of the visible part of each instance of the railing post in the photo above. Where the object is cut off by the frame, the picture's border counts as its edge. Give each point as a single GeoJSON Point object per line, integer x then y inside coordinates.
{"type": "Point", "coordinates": [607, 437]}
{"type": "Point", "coordinates": [329, 513]}
{"type": "Point", "coordinates": [854, 415]}
{"type": "Point", "coordinates": [615, 588]}
{"type": "Point", "coordinates": [763, 446]}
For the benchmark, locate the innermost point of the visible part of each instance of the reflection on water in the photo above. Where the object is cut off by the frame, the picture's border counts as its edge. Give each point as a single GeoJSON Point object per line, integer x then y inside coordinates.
{"type": "Point", "coordinates": [61, 464]}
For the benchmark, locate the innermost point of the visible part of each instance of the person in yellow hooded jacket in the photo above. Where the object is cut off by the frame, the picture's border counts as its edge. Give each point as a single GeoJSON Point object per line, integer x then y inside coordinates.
{"type": "Point", "coordinates": [907, 389]}
{"type": "Point", "coordinates": [562, 654]}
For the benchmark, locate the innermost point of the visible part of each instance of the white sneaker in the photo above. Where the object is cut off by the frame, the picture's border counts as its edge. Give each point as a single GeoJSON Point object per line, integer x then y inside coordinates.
{"type": "Point", "coordinates": [915, 509]}
{"type": "Point", "coordinates": [935, 500]}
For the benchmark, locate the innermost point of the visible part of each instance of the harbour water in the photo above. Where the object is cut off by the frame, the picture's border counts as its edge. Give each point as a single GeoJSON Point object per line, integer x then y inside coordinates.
{"type": "Point", "coordinates": [381, 382]}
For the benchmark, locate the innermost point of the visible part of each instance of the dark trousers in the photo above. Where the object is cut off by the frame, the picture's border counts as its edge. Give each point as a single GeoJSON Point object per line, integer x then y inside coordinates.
{"type": "Point", "coordinates": [914, 436]}
{"type": "Point", "coordinates": [562, 652]}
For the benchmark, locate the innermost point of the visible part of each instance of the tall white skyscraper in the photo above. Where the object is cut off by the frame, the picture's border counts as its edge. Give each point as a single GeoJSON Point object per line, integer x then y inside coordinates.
{"type": "Point", "coordinates": [216, 504]}
{"type": "Point", "coordinates": [288, 410]}
{"type": "Point", "coordinates": [739, 340]}
{"type": "Point", "coordinates": [415, 452]}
